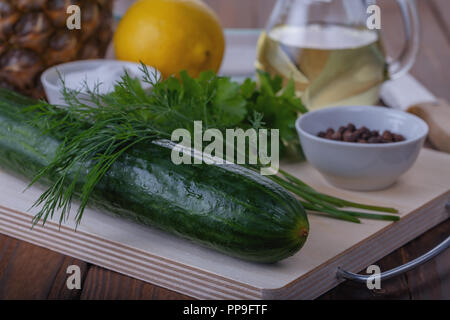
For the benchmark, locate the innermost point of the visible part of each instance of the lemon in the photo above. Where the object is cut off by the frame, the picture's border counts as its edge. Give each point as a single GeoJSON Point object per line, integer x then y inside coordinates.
{"type": "Point", "coordinates": [171, 35]}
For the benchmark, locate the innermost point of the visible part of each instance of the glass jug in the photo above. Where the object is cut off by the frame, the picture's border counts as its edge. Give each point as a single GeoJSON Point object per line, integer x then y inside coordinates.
{"type": "Point", "coordinates": [327, 48]}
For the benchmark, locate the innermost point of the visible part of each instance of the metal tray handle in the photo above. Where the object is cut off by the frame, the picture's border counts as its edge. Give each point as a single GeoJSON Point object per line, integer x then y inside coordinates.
{"type": "Point", "coordinates": [342, 274]}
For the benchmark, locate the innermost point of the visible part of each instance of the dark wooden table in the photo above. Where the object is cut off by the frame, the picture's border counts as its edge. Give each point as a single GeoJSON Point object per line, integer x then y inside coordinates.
{"type": "Point", "coordinates": [31, 272]}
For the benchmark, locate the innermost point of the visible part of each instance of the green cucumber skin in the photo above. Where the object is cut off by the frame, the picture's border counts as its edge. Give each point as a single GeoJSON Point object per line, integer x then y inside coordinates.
{"type": "Point", "coordinates": [227, 208]}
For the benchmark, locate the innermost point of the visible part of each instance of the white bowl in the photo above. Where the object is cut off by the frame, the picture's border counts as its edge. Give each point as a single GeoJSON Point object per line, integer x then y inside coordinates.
{"type": "Point", "coordinates": [51, 78]}
{"type": "Point", "coordinates": [358, 166]}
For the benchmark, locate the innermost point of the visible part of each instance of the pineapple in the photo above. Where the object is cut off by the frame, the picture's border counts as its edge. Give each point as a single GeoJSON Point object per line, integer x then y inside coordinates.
{"type": "Point", "coordinates": [34, 36]}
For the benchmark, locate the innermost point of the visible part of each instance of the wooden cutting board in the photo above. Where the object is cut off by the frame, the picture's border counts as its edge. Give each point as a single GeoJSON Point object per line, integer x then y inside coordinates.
{"type": "Point", "coordinates": [154, 256]}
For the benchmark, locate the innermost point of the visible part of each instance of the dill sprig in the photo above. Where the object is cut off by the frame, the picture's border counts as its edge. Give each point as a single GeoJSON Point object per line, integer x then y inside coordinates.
{"type": "Point", "coordinates": [96, 131]}
{"type": "Point", "coordinates": [95, 134]}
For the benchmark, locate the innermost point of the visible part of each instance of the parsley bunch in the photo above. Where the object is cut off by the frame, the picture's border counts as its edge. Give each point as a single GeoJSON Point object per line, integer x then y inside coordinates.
{"type": "Point", "coordinates": [218, 101]}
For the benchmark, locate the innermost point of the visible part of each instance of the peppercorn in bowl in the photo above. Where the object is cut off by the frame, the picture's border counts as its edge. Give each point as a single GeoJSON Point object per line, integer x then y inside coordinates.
{"type": "Point", "coordinates": [361, 147]}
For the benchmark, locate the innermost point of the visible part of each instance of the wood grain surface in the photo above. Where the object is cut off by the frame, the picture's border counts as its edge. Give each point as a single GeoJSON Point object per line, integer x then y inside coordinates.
{"type": "Point", "coordinates": [32, 272]}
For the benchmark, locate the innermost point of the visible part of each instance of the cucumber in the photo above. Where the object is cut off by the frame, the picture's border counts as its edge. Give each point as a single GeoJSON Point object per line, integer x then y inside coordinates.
{"type": "Point", "coordinates": [225, 207]}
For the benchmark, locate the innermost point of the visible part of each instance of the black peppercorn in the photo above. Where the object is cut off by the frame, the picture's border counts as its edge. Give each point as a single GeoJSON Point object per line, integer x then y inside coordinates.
{"type": "Point", "coordinates": [350, 133]}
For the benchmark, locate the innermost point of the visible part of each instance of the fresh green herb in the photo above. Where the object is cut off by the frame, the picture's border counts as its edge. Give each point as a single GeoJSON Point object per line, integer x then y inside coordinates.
{"type": "Point", "coordinates": [102, 128]}
{"type": "Point", "coordinates": [279, 106]}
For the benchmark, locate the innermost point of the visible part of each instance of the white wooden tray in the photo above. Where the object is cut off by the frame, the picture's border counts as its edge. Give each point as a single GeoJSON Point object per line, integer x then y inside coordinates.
{"type": "Point", "coordinates": [165, 260]}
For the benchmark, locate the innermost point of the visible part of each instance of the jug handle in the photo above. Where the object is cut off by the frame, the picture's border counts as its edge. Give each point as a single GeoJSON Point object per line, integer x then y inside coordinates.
{"type": "Point", "coordinates": [408, 55]}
